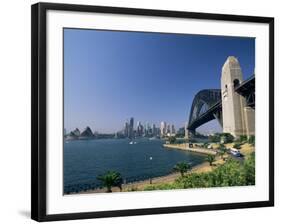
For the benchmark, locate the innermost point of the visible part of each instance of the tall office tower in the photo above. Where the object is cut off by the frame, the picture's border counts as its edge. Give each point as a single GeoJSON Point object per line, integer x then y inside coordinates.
{"type": "Point", "coordinates": [139, 129]}
{"type": "Point", "coordinates": [154, 130]}
{"type": "Point", "coordinates": [173, 130]}
{"type": "Point", "coordinates": [181, 131]}
{"type": "Point", "coordinates": [158, 132]}
{"type": "Point", "coordinates": [149, 128]}
{"type": "Point", "coordinates": [126, 129]}
{"type": "Point", "coordinates": [168, 129]}
{"type": "Point", "coordinates": [131, 128]}
{"type": "Point", "coordinates": [146, 129]}
{"type": "Point", "coordinates": [163, 128]}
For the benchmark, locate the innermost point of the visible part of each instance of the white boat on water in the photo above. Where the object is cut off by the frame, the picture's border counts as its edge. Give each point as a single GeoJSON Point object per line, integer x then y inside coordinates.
{"type": "Point", "coordinates": [152, 138]}
{"type": "Point", "coordinates": [131, 142]}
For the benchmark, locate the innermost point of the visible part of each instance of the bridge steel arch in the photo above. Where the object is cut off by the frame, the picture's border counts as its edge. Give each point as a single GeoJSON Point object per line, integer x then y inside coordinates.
{"type": "Point", "coordinates": [206, 106]}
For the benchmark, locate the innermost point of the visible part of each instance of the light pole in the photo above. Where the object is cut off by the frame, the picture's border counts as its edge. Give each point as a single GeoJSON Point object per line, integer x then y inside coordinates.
{"type": "Point", "coordinates": [150, 180]}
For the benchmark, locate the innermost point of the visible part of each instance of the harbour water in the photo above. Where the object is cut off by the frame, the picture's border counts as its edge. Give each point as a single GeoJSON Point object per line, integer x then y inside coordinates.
{"type": "Point", "coordinates": [84, 160]}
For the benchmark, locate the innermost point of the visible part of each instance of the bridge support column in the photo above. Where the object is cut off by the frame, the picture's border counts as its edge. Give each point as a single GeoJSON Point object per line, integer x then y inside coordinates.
{"type": "Point", "coordinates": [189, 134]}
{"type": "Point", "coordinates": [235, 119]}
{"type": "Point", "coordinates": [249, 120]}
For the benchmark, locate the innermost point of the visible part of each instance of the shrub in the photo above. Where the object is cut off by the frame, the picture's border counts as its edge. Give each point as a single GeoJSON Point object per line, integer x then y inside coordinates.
{"type": "Point", "coordinates": [243, 138]}
{"type": "Point", "coordinates": [227, 137]}
{"type": "Point", "coordinates": [182, 167]}
{"type": "Point", "coordinates": [205, 145]}
{"type": "Point", "coordinates": [169, 186]}
{"type": "Point", "coordinates": [237, 146]}
{"type": "Point", "coordinates": [192, 140]}
{"type": "Point", "coordinates": [172, 139]}
{"type": "Point", "coordinates": [215, 138]}
{"type": "Point", "coordinates": [232, 173]}
{"type": "Point", "coordinates": [251, 140]}
{"type": "Point", "coordinates": [210, 159]}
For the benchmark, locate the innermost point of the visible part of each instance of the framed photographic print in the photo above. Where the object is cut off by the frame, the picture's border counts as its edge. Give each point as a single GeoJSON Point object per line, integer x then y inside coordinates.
{"type": "Point", "coordinates": [138, 111]}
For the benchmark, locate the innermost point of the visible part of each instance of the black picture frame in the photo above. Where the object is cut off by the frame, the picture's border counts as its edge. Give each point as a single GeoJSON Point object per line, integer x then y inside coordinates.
{"type": "Point", "coordinates": [38, 108]}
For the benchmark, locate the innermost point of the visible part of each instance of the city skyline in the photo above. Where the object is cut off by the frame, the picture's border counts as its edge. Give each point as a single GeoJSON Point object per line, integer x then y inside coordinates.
{"type": "Point", "coordinates": [134, 127]}
{"type": "Point", "coordinates": [110, 76]}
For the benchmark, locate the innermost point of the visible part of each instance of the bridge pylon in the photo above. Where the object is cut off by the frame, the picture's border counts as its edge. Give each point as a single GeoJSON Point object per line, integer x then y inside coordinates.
{"type": "Point", "coordinates": [238, 119]}
{"type": "Point", "coordinates": [189, 134]}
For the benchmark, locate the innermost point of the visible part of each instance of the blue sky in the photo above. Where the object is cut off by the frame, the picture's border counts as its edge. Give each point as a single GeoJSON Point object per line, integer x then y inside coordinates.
{"type": "Point", "coordinates": [110, 76]}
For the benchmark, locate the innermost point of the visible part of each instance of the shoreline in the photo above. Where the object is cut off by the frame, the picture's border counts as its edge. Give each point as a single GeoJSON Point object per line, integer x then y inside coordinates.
{"type": "Point", "coordinates": [184, 147]}
{"type": "Point", "coordinates": [140, 185]}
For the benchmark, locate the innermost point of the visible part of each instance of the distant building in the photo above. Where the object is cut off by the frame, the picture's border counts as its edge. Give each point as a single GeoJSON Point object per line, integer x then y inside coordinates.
{"type": "Point", "coordinates": [139, 131]}
{"type": "Point", "coordinates": [173, 130]}
{"type": "Point", "coordinates": [154, 130]}
{"type": "Point", "coordinates": [86, 134]}
{"type": "Point", "coordinates": [73, 135]}
{"type": "Point", "coordinates": [158, 132]}
{"type": "Point", "coordinates": [126, 129]}
{"type": "Point", "coordinates": [168, 129]}
{"type": "Point", "coordinates": [76, 132]}
{"type": "Point", "coordinates": [181, 131]}
{"type": "Point", "coordinates": [163, 128]}
{"type": "Point", "coordinates": [96, 134]}
{"type": "Point", "coordinates": [131, 128]}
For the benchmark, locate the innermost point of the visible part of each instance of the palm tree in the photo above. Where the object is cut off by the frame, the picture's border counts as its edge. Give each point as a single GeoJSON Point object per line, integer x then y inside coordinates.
{"type": "Point", "coordinates": [110, 179]}
{"type": "Point", "coordinates": [222, 150]}
{"type": "Point", "coordinates": [210, 159]}
{"type": "Point", "coordinates": [182, 167]}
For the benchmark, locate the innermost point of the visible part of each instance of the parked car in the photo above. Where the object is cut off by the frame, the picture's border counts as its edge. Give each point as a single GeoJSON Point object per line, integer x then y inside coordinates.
{"type": "Point", "coordinates": [235, 152]}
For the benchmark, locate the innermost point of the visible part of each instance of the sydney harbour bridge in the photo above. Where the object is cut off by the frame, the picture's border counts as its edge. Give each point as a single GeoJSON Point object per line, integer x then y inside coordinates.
{"type": "Point", "coordinates": [233, 105]}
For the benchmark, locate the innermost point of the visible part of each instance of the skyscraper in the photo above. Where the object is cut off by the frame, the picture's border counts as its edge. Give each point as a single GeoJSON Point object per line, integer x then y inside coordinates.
{"type": "Point", "coordinates": [168, 130]}
{"type": "Point", "coordinates": [126, 129]}
{"type": "Point", "coordinates": [139, 129]}
{"type": "Point", "coordinates": [173, 130]}
{"type": "Point", "coordinates": [131, 128]}
{"type": "Point", "coordinates": [154, 131]}
{"type": "Point", "coordinates": [163, 128]}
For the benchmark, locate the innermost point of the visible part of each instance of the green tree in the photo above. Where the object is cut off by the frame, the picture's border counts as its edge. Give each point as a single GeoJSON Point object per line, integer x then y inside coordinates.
{"type": "Point", "coordinates": [214, 138]}
{"type": "Point", "coordinates": [110, 179]}
{"type": "Point", "coordinates": [251, 140]}
{"type": "Point", "coordinates": [210, 159]}
{"type": "Point", "coordinates": [182, 167]}
{"type": "Point", "coordinates": [243, 138]}
{"type": "Point", "coordinates": [222, 150]}
{"type": "Point", "coordinates": [172, 139]}
{"type": "Point", "coordinates": [221, 154]}
{"type": "Point", "coordinates": [227, 137]}
{"type": "Point", "coordinates": [237, 146]}
{"type": "Point", "coordinates": [205, 145]}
